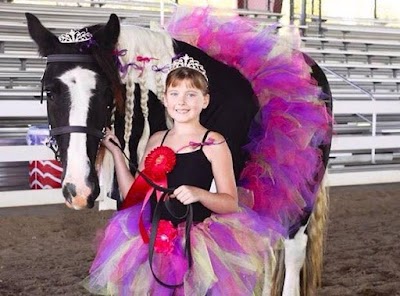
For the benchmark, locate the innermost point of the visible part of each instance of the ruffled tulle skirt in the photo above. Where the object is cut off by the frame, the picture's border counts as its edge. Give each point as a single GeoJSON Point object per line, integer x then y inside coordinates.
{"type": "Point", "coordinates": [232, 255]}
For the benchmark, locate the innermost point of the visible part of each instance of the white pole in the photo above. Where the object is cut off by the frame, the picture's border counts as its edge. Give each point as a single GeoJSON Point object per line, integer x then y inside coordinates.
{"type": "Point", "coordinates": [162, 13]}
{"type": "Point", "coordinates": [373, 150]}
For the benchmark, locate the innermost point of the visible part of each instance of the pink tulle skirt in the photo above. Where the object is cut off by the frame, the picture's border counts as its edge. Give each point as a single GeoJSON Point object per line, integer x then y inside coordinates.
{"type": "Point", "coordinates": [232, 255]}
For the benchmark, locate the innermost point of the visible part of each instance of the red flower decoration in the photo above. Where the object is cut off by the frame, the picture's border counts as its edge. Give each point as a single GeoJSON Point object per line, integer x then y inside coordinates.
{"type": "Point", "coordinates": [166, 234]}
{"type": "Point", "coordinates": [159, 162]}
{"type": "Point", "coordinates": [157, 165]}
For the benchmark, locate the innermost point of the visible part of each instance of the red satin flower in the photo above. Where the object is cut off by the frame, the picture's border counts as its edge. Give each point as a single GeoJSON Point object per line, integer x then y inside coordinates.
{"type": "Point", "coordinates": [159, 162]}
{"type": "Point", "coordinates": [166, 234]}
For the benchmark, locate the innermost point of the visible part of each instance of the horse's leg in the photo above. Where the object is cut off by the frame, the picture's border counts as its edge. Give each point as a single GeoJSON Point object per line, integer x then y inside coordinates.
{"type": "Point", "coordinates": [295, 255]}
{"type": "Point", "coordinates": [106, 178]}
{"type": "Point", "coordinates": [288, 278]}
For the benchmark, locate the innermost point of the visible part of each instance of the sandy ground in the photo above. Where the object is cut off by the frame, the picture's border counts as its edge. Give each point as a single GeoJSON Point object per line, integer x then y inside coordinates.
{"type": "Point", "coordinates": [47, 250]}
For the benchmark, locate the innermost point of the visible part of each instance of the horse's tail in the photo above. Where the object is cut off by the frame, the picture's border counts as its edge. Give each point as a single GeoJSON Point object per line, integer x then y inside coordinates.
{"type": "Point", "coordinates": [311, 273]}
{"type": "Point", "coordinates": [278, 276]}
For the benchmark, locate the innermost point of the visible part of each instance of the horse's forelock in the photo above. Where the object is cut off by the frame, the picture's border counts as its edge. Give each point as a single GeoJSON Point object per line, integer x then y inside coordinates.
{"type": "Point", "coordinates": [105, 60]}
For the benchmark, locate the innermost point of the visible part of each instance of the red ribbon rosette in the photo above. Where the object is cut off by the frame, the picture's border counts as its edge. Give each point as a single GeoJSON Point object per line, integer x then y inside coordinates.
{"type": "Point", "coordinates": [158, 163]}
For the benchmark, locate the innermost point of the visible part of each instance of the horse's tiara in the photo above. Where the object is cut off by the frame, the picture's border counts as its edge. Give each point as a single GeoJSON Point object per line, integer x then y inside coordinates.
{"type": "Point", "coordinates": [75, 36]}
{"type": "Point", "coordinates": [188, 62]}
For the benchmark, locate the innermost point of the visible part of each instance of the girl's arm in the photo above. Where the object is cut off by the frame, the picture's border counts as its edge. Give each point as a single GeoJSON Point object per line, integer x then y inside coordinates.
{"type": "Point", "coordinates": [225, 200]}
{"type": "Point", "coordinates": [124, 176]}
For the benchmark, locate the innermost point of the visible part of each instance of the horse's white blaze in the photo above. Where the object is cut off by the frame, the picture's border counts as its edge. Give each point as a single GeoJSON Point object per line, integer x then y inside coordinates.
{"type": "Point", "coordinates": [81, 83]}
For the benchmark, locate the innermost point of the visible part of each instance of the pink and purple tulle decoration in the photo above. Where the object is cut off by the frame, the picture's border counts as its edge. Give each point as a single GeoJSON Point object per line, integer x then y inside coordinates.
{"type": "Point", "coordinates": [285, 165]}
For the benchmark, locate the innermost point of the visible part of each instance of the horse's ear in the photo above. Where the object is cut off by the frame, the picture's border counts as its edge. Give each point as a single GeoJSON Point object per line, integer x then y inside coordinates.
{"type": "Point", "coordinates": [107, 36]}
{"type": "Point", "coordinates": [45, 40]}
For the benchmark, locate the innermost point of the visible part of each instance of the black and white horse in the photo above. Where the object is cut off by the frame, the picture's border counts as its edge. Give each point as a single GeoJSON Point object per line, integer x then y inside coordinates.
{"type": "Point", "coordinates": [89, 87]}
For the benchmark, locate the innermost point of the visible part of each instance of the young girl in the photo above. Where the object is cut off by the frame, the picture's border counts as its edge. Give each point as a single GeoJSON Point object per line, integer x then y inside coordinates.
{"type": "Point", "coordinates": [227, 249]}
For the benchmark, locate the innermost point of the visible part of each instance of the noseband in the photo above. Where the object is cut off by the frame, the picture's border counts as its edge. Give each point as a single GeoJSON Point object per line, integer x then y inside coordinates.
{"type": "Point", "coordinates": [62, 130]}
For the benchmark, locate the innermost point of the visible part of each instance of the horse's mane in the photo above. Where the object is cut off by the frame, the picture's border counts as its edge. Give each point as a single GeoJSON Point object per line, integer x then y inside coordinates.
{"type": "Point", "coordinates": [146, 51]}
{"type": "Point", "coordinates": [139, 50]}
{"type": "Point", "coordinates": [142, 42]}
{"type": "Point", "coordinates": [104, 58]}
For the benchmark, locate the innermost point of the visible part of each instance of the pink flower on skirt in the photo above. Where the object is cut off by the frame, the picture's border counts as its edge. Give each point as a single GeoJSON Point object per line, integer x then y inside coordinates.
{"type": "Point", "coordinates": [166, 234]}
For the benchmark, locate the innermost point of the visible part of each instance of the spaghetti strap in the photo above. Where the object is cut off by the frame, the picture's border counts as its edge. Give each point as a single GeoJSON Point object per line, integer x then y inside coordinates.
{"type": "Point", "coordinates": [204, 139]}
{"type": "Point", "coordinates": [163, 139]}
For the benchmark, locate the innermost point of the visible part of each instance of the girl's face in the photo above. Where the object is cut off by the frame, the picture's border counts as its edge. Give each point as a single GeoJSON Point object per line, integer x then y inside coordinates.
{"type": "Point", "coordinates": [184, 102]}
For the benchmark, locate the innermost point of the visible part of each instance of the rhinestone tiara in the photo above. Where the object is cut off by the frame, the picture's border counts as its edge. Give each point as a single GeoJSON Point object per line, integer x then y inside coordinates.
{"type": "Point", "coordinates": [75, 36]}
{"type": "Point", "coordinates": [188, 62]}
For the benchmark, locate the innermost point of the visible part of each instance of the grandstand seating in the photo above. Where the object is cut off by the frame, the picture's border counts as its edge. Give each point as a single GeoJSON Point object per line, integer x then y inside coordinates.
{"type": "Point", "coordinates": [362, 64]}
{"type": "Point", "coordinates": [361, 31]}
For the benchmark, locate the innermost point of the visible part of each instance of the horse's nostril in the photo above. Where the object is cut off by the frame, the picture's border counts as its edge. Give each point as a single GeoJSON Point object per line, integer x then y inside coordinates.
{"type": "Point", "coordinates": [69, 191]}
{"type": "Point", "coordinates": [68, 199]}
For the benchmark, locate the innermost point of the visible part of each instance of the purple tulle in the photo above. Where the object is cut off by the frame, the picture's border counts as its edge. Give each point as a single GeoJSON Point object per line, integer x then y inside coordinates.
{"type": "Point", "coordinates": [231, 250]}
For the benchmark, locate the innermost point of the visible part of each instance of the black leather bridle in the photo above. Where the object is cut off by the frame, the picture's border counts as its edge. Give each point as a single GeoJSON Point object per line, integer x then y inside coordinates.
{"type": "Point", "coordinates": [68, 129]}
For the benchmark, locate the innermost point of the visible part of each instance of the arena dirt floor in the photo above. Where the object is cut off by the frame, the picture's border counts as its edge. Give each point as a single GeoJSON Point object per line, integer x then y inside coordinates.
{"type": "Point", "coordinates": [47, 250]}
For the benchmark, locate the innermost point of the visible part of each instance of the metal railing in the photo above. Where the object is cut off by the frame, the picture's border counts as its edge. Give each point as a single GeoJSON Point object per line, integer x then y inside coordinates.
{"type": "Point", "coordinates": [371, 96]}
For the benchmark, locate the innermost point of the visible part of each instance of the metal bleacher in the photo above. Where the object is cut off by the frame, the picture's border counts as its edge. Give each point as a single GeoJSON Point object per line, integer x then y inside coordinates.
{"type": "Point", "coordinates": [362, 64]}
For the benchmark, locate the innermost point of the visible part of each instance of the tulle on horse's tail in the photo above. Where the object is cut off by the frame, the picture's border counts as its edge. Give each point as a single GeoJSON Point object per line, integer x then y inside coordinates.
{"type": "Point", "coordinates": [284, 167]}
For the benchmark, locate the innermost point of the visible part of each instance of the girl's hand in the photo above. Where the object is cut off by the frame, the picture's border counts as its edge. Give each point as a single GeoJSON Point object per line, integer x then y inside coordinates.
{"type": "Point", "coordinates": [106, 142]}
{"type": "Point", "coordinates": [187, 194]}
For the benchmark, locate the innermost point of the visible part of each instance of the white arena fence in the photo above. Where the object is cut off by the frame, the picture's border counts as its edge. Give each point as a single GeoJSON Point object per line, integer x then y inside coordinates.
{"type": "Point", "coordinates": [24, 153]}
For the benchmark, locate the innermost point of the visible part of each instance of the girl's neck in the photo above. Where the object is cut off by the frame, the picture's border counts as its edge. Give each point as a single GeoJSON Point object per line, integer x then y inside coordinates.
{"type": "Point", "coordinates": [184, 129]}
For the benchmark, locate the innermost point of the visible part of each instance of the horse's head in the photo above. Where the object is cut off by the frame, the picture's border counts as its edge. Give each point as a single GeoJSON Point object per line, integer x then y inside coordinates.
{"type": "Point", "coordinates": [81, 82]}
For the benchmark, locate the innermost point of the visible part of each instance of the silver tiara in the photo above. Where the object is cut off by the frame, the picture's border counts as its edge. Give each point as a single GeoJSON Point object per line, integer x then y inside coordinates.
{"type": "Point", "coordinates": [75, 36]}
{"type": "Point", "coordinates": [188, 62]}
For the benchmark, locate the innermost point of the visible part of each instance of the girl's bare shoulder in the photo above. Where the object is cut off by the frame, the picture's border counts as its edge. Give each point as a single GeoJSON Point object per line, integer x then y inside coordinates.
{"type": "Point", "coordinates": [156, 139]}
{"type": "Point", "coordinates": [216, 137]}
{"type": "Point", "coordinates": [217, 147]}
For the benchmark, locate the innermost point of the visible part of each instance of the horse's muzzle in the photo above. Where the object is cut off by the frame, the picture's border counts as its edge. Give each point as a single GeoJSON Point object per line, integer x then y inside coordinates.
{"type": "Point", "coordinates": [79, 199]}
